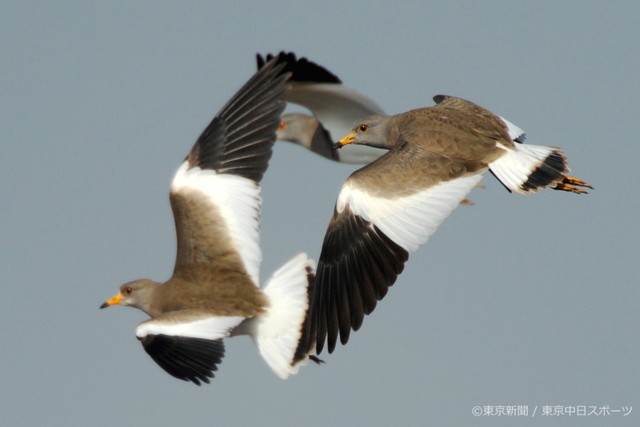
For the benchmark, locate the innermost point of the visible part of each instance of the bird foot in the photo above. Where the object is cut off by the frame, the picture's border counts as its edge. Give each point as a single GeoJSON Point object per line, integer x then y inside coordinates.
{"type": "Point", "coordinates": [569, 184]}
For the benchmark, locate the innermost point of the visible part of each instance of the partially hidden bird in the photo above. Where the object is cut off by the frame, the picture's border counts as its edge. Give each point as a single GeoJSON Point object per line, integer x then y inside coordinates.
{"type": "Point", "coordinates": [334, 109]}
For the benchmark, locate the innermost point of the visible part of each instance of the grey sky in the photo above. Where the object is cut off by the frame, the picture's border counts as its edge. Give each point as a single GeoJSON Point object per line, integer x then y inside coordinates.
{"type": "Point", "coordinates": [517, 300]}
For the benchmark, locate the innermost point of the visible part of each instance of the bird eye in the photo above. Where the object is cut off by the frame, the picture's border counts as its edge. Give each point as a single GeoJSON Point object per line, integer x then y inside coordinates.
{"type": "Point", "coordinates": [128, 290]}
{"type": "Point", "coordinates": [363, 128]}
{"type": "Point", "coordinates": [282, 126]}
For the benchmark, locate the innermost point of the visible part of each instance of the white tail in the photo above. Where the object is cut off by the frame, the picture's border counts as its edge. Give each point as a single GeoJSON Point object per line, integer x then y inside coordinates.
{"type": "Point", "coordinates": [277, 332]}
{"type": "Point", "coordinates": [528, 168]}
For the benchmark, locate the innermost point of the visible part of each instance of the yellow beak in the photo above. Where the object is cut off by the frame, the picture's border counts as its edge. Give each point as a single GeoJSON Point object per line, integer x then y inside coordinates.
{"type": "Point", "coordinates": [117, 299]}
{"type": "Point", "coordinates": [346, 140]}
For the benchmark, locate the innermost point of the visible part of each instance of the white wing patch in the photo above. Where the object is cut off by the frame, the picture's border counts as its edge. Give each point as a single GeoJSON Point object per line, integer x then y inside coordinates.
{"type": "Point", "coordinates": [238, 200]}
{"type": "Point", "coordinates": [336, 106]}
{"type": "Point", "coordinates": [408, 221]}
{"type": "Point", "coordinates": [189, 323]}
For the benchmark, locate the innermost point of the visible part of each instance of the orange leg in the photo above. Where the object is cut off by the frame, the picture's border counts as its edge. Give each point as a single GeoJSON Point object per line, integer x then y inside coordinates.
{"type": "Point", "coordinates": [568, 184]}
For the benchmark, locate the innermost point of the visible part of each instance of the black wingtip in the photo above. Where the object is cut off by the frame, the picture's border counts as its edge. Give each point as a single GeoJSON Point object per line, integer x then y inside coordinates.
{"type": "Point", "coordinates": [302, 70]}
{"type": "Point", "coordinates": [240, 138]}
{"type": "Point", "coordinates": [185, 358]}
{"type": "Point", "coordinates": [358, 263]}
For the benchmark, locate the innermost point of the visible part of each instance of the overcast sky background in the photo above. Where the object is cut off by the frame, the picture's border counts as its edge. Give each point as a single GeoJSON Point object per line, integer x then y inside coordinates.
{"type": "Point", "coordinates": [517, 300]}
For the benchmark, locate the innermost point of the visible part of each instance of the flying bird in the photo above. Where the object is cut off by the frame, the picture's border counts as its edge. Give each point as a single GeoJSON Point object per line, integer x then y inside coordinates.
{"type": "Point", "coordinates": [390, 207]}
{"type": "Point", "coordinates": [335, 109]}
{"type": "Point", "coordinates": [214, 291]}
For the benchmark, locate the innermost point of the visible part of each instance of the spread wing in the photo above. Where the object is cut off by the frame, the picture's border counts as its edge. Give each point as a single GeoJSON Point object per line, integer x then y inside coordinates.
{"type": "Point", "coordinates": [370, 236]}
{"type": "Point", "coordinates": [335, 106]}
{"type": "Point", "coordinates": [215, 194]}
{"type": "Point", "coordinates": [187, 344]}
